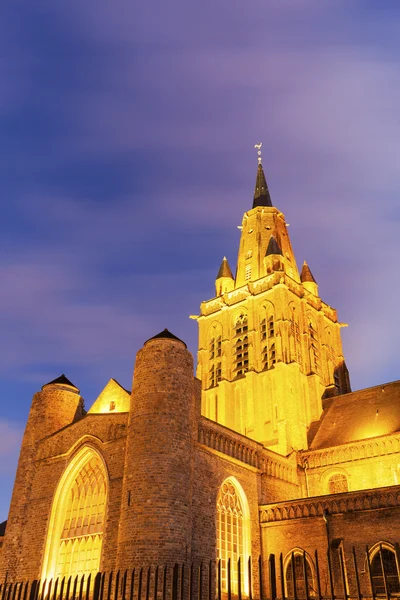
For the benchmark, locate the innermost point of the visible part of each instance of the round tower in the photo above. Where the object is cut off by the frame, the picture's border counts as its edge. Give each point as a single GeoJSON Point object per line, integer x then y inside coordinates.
{"type": "Point", "coordinates": [155, 525]}
{"type": "Point", "coordinates": [57, 404]}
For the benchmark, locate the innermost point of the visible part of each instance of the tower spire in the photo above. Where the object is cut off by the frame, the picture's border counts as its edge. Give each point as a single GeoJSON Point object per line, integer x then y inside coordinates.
{"type": "Point", "coordinates": [261, 191]}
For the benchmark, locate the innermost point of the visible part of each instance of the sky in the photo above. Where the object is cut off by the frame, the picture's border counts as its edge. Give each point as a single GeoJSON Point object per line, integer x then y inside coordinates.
{"type": "Point", "coordinates": [127, 162]}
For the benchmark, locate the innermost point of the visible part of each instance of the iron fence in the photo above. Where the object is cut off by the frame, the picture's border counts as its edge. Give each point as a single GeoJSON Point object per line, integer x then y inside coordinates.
{"type": "Point", "coordinates": [297, 577]}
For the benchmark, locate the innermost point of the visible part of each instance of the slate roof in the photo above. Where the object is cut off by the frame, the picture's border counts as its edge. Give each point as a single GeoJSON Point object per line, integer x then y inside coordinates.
{"type": "Point", "coordinates": [306, 274]}
{"type": "Point", "coordinates": [165, 334]}
{"type": "Point", "coordinates": [261, 191]}
{"type": "Point", "coordinates": [360, 415]}
{"type": "Point", "coordinates": [61, 380]}
{"type": "Point", "coordinates": [225, 270]}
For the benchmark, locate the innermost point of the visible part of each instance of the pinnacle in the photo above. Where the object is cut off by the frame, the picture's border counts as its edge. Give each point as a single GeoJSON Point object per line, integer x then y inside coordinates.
{"type": "Point", "coordinates": [225, 270]}
{"type": "Point", "coordinates": [306, 274]}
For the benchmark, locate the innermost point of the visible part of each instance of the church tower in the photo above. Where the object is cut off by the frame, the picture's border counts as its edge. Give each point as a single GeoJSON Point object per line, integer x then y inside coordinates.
{"type": "Point", "coordinates": [269, 348]}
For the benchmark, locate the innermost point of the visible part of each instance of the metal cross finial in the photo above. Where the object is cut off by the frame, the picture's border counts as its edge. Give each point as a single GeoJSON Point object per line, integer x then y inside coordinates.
{"type": "Point", "coordinates": [258, 146]}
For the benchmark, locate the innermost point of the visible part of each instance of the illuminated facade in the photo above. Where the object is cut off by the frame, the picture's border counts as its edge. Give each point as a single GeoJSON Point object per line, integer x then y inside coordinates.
{"type": "Point", "coordinates": [267, 450]}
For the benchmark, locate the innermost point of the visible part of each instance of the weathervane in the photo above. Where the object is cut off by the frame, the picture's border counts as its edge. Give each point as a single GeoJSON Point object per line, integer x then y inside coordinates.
{"type": "Point", "coordinates": [258, 146]}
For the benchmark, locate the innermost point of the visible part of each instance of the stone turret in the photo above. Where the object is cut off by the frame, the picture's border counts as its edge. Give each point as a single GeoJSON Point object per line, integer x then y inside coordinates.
{"type": "Point", "coordinates": [156, 518]}
{"type": "Point", "coordinates": [225, 281]}
{"type": "Point", "coordinates": [307, 279]}
{"type": "Point", "coordinates": [57, 405]}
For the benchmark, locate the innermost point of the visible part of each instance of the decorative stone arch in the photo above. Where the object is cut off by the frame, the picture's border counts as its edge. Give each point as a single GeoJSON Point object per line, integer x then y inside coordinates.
{"type": "Point", "coordinates": [382, 557]}
{"type": "Point", "coordinates": [233, 509]}
{"type": "Point", "coordinates": [327, 480]}
{"type": "Point", "coordinates": [78, 516]}
{"type": "Point", "coordinates": [297, 555]}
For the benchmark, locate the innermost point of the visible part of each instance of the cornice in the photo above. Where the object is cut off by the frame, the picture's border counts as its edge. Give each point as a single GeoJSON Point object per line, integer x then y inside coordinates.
{"type": "Point", "coordinates": [353, 451]}
{"type": "Point", "coordinates": [347, 502]}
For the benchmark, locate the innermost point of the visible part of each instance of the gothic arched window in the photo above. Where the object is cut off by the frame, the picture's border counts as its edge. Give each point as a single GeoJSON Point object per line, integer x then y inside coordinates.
{"type": "Point", "coordinates": [296, 577]}
{"type": "Point", "coordinates": [78, 518]}
{"type": "Point", "coordinates": [267, 332]}
{"type": "Point", "coordinates": [232, 534]}
{"type": "Point", "coordinates": [337, 483]}
{"type": "Point", "coordinates": [384, 567]}
{"type": "Point", "coordinates": [241, 346]}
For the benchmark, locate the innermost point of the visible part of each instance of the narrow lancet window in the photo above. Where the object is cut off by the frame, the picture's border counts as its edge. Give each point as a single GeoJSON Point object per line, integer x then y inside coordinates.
{"type": "Point", "coordinates": [241, 346]}
{"type": "Point", "coordinates": [268, 340]}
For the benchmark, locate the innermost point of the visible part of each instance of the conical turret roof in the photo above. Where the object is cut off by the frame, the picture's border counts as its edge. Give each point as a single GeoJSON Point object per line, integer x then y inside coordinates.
{"type": "Point", "coordinates": [165, 334]}
{"type": "Point", "coordinates": [273, 247]}
{"type": "Point", "coordinates": [225, 270]}
{"type": "Point", "coordinates": [306, 274]}
{"type": "Point", "coordinates": [261, 191]}
{"type": "Point", "coordinates": [62, 380]}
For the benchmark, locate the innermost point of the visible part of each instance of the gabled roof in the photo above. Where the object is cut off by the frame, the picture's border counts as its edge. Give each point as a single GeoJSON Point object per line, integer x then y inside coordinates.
{"type": "Point", "coordinates": [360, 415]}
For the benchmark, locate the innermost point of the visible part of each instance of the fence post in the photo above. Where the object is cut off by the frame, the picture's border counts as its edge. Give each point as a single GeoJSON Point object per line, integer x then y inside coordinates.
{"type": "Point", "coordinates": [305, 564]}
{"type": "Point", "coordinates": [239, 581]}
{"type": "Point", "coordinates": [359, 596]}
{"type": "Point", "coordinates": [318, 575]}
{"type": "Point", "coordinates": [34, 586]}
{"type": "Point", "coordinates": [250, 579]}
{"type": "Point", "coordinates": [282, 573]}
{"type": "Point", "coordinates": [219, 580]}
{"type": "Point", "coordinates": [369, 573]}
{"type": "Point", "coordinates": [272, 576]}
{"type": "Point", "coordinates": [97, 583]}
{"type": "Point", "coordinates": [174, 587]}
{"type": "Point", "coordinates": [294, 576]}
{"type": "Point", "coordinates": [260, 577]}
{"type": "Point", "coordinates": [156, 583]}
{"type": "Point", "coordinates": [328, 558]}
{"type": "Point", "coordinates": [200, 582]}
{"type": "Point", "coordinates": [229, 580]}
{"type": "Point", "coordinates": [383, 571]}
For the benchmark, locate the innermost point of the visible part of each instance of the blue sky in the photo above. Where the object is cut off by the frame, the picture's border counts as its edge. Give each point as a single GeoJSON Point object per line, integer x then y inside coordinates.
{"type": "Point", "coordinates": [127, 161]}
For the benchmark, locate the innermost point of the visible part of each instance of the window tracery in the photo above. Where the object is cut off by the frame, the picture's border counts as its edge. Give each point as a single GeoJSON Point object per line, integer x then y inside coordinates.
{"type": "Point", "coordinates": [297, 557]}
{"type": "Point", "coordinates": [78, 519]}
{"type": "Point", "coordinates": [337, 483]}
{"type": "Point", "coordinates": [384, 568]}
{"type": "Point", "coordinates": [231, 532]}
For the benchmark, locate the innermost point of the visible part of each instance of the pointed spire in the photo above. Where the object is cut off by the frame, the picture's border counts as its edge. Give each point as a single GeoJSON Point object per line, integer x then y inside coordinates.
{"type": "Point", "coordinates": [273, 247]}
{"type": "Point", "coordinates": [261, 191]}
{"type": "Point", "coordinates": [225, 270]}
{"type": "Point", "coordinates": [306, 275]}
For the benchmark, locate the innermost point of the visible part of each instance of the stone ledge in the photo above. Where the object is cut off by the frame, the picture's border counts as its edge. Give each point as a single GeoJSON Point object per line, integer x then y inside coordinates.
{"type": "Point", "coordinates": [334, 504]}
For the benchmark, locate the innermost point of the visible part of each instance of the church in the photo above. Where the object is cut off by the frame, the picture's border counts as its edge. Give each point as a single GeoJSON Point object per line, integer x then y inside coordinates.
{"type": "Point", "coordinates": [265, 451]}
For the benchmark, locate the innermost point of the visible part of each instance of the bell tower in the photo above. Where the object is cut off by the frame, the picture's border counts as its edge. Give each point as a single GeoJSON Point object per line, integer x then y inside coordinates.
{"type": "Point", "coordinates": [269, 348]}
